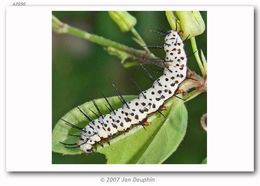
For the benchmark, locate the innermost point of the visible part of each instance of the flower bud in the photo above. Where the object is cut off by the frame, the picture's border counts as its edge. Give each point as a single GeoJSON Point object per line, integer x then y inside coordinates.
{"type": "Point", "coordinates": [191, 22]}
{"type": "Point", "coordinates": [123, 19]}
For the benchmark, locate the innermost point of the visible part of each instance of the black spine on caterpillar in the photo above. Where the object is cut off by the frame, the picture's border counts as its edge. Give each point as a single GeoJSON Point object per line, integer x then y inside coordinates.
{"type": "Point", "coordinates": [148, 101]}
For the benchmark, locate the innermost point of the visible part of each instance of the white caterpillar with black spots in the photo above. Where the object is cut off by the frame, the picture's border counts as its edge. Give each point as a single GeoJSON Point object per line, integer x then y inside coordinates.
{"type": "Point", "coordinates": [136, 111]}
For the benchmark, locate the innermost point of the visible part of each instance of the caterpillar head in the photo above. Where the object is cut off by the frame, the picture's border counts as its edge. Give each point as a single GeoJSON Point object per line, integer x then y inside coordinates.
{"type": "Point", "coordinates": [173, 47]}
{"type": "Point", "coordinates": [172, 40]}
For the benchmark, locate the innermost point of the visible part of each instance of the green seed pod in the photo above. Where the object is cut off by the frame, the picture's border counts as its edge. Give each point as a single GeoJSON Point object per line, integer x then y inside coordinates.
{"type": "Point", "coordinates": [123, 19]}
{"type": "Point", "coordinates": [189, 22]}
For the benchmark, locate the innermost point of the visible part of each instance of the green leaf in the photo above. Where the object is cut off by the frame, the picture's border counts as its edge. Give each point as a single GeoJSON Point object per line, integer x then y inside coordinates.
{"type": "Point", "coordinates": [152, 144]}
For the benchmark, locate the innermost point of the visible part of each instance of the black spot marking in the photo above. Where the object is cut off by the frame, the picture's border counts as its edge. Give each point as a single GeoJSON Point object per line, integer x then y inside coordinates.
{"type": "Point", "coordinates": [140, 110]}
{"type": "Point", "coordinates": [146, 110]}
{"type": "Point", "coordinates": [128, 120]}
{"type": "Point", "coordinates": [114, 126]}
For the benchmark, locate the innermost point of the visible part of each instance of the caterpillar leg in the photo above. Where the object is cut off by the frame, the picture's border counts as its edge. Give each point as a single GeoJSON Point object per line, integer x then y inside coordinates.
{"type": "Point", "coordinates": [126, 130]}
{"type": "Point", "coordinates": [162, 108]}
{"type": "Point", "coordinates": [106, 141]}
{"type": "Point", "coordinates": [181, 91]}
{"type": "Point", "coordinates": [100, 143]}
{"type": "Point", "coordinates": [145, 123]}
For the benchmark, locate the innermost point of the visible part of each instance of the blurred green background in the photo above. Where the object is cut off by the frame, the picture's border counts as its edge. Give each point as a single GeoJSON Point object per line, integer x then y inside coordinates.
{"type": "Point", "coordinates": [82, 70]}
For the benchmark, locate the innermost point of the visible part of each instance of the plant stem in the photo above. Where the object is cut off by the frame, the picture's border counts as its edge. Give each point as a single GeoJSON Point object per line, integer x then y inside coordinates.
{"type": "Point", "coordinates": [101, 40]}
{"type": "Point", "coordinates": [139, 40]}
{"type": "Point", "coordinates": [142, 56]}
{"type": "Point", "coordinates": [196, 54]}
{"type": "Point", "coordinates": [204, 61]}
